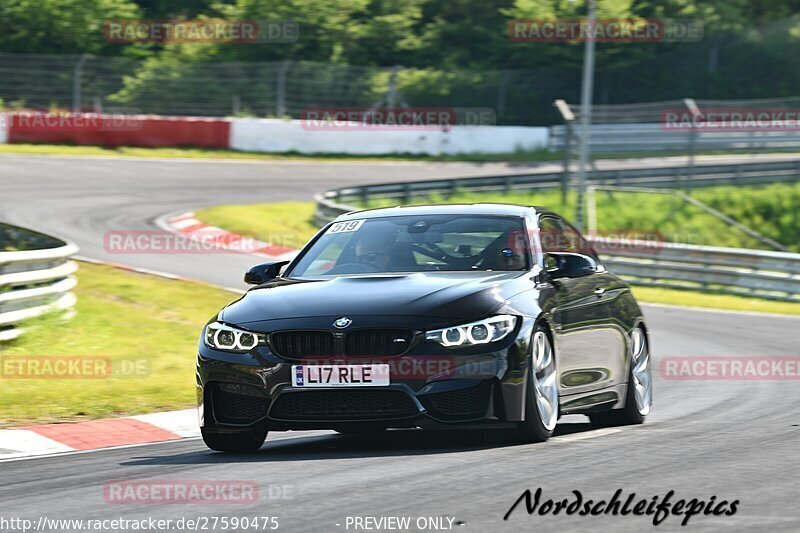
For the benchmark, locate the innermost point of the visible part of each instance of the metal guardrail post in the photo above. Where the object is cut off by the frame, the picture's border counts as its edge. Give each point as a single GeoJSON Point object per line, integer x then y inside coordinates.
{"type": "Point", "coordinates": [569, 118]}
{"type": "Point", "coordinates": [502, 92]}
{"type": "Point", "coordinates": [280, 89]}
{"type": "Point", "coordinates": [76, 82]}
{"type": "Point", "coordinates": [694, 109]}
{"type": "Point", "coordinates": [587, 85]}
{"type": "Point", "coordinates": [591, 209]}
{"type": "Point", "coordinates": [567, 162]}
{"type": "Point", "coordinates": [407, 193]}
{"type": "Point", "coordinates": [391, 95]}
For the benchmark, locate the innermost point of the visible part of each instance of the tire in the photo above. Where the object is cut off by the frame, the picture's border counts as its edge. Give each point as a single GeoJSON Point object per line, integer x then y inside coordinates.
{"type": "Point", "coordinates": [638, 397]}
{"type": "Point", "coordinates": [541, 395]}
{"type": "Point", "coordinates": [240, 442]}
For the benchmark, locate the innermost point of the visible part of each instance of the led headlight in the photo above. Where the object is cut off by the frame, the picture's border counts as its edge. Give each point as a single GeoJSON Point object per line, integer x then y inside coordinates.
{"type": "Point", "coordinates": [227, 338]}
{"type": "Point", "coordinates": [480, 332]}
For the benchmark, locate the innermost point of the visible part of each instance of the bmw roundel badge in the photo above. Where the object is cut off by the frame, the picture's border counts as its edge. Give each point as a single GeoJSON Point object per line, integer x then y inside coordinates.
{"type": "Point", "coordinates": [342, 322]}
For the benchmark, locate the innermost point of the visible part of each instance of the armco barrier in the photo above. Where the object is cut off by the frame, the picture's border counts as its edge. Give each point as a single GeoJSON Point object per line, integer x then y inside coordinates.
{"type": "Point", "coordinates": [34, 279]}
{"type": "Point", "coordinates": [772, 275]}
{"type": "Point", "coordinates": [117, 130]}
{"type": "Point", "coordinates": [655, 137]}
{"type": "Point", "coordinates": [675, 176]}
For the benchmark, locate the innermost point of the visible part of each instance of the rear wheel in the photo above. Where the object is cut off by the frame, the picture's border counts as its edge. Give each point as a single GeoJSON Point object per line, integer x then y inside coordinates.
{"type": "Point", "coordinates": [639, 396]}
{"type": "Point", "coordinates": [541, 397]}
{"type": "Point", "coordinates": [241, 441]}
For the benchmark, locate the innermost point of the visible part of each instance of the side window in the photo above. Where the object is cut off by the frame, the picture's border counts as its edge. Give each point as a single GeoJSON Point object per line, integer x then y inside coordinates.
{"type": "Point", "coordinates": [558, 236]}
{"type": "Point", "coordinates": [547, 228]}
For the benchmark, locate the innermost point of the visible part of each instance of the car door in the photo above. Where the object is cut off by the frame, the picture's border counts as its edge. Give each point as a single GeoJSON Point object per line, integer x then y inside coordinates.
{"type": "Point", "coordinates": [590, 347]}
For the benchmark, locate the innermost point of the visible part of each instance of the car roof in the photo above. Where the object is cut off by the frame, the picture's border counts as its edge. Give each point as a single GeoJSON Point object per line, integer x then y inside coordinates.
{"type": "Point", "coordinates": [487, 208]}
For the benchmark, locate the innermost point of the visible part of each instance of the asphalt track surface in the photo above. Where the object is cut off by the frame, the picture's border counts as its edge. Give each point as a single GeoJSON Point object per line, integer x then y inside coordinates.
{"type": "Point", "coordinates": [736, 440]}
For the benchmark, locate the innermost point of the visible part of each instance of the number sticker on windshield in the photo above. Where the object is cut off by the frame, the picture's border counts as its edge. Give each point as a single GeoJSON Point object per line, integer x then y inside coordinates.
{"type": "Point", "coordinates": [344, 227]}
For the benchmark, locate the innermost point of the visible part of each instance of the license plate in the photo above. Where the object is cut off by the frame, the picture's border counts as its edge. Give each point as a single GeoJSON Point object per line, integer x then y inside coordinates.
{"type": "Point", "coordinates": [340, 375]}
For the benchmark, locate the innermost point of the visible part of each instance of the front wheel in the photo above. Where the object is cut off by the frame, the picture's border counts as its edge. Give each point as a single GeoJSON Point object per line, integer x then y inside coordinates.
{"type": "Point", "coordinates": [639, 396]}
{"type": "Point", "coordinates": [241, 441]}
{"type": "Point", "coordinates": [541, 397]}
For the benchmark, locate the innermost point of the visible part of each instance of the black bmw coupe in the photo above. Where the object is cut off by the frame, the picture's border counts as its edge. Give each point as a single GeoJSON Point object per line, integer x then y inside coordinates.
{"type": "Point", "coordinates": [442, 316]}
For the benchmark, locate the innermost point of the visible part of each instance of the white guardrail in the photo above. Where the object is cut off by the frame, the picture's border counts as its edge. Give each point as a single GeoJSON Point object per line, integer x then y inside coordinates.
{"type": "Point", "coordinates": [655, 137]}
{"type": "Point", "coordinates": [34, 281]}
{"type": "Point", "coordinates": [765, 274]}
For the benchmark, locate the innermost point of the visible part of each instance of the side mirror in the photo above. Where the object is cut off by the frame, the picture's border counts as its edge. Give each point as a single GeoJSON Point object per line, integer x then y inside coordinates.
{"type": "Point", "coordinates": [569, 265]}
{"type": "Point", "coordinates": [264, 272]}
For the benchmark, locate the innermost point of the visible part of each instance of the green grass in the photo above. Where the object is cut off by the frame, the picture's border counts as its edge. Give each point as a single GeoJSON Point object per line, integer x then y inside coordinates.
{"type": "Point", "coordinates": [689, 298]}
{"type": "Point", "coordinates": [130, 318]}
{"type": "Point", "coordinates": [193, 153]}
{"type": "Point", "coordinates": [772, 209]}
{"type": "Point", "coordinates": [520, 156]}
{"type": "Point", "coordinates": [291, 224]}
{"type": "Point", "coordinates": [287, 223]}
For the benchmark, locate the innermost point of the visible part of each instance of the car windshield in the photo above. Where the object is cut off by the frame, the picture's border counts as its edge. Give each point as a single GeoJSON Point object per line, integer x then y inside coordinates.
{"type": "Point", "coordinates": [421, 243]}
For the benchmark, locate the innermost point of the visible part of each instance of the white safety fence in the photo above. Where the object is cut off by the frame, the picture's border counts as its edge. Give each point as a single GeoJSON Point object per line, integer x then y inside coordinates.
{"type": "Point", "coordinates": [35, 282]}
{"type": "Point", "coordinates": [605, 138]}
{"type": "Point", "coordinates": [766, 274]}
{"type": "Point", "coordinates": [275, 135]}
{"type": "Point", "coordinates": [3, 129]}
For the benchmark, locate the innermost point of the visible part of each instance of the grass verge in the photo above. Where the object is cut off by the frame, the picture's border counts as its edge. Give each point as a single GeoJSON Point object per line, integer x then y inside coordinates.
{"type": "Point", "coordinates": [148, 327]}
{"type": "Point", "coordinates": [727, 302]}
{"type": "Point", "coordinates": [772, 209]}
{"type": "Point", "coordinates": [291, 224]}
{"type": "Point", "coordinates": [522, 156]}
{"type": "Point", "coordinates": [208, 153]}
{"type": "Point", "coordinates": [286, 223]}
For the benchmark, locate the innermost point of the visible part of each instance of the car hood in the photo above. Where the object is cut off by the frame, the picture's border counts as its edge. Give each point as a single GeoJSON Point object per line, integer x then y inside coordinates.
{"type": "Point", "coordinates": [446, 295]}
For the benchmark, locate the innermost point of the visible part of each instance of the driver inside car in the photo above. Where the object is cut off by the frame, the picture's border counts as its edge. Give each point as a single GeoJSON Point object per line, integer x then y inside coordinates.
{"type": "Point", "coordinates": [511, 256]}
{"type": "Point", "coordinates": [375, 245]}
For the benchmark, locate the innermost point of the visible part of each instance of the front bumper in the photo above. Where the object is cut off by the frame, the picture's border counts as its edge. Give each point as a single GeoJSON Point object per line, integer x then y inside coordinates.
{"type": "Point", "coordinates": [431, 387]}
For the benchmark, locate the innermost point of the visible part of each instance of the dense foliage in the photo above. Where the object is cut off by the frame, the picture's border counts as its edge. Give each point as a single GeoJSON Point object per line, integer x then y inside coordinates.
{"type": "Point", "coordinates": [750, 48]}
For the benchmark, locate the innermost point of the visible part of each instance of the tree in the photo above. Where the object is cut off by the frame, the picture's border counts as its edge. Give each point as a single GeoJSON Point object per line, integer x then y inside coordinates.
{"type": "Point", "coordinates": [61, 26]}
